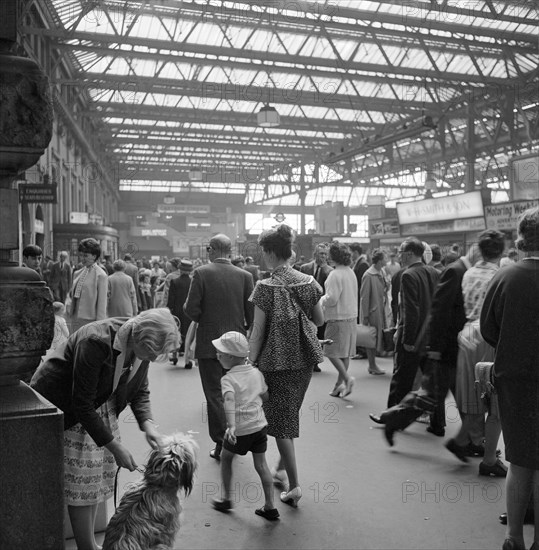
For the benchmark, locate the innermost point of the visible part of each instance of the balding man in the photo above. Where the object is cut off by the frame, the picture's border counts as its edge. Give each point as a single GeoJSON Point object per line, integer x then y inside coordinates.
{"type": "Point", "coordinates": [218, 301]}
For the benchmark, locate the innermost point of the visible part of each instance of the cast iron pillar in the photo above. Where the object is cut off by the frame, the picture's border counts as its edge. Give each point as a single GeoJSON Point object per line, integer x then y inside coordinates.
{"type": "Point", "coordinates": [31, 429]}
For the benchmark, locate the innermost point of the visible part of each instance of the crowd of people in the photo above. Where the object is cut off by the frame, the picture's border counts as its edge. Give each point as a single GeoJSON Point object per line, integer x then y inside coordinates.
{"type": "Point", "coordinates": [451, 310]}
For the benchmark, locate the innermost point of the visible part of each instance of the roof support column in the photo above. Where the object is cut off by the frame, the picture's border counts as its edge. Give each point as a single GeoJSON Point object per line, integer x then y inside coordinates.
{"type": "Point", "coordinates": [302, 195]}
{"type": "Point", "coordinates": [469, 181]}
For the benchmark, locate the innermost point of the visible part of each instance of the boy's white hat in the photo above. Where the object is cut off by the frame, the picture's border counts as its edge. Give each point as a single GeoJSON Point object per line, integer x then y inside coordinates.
{"type": "Point", "coordinates": [233, 343]}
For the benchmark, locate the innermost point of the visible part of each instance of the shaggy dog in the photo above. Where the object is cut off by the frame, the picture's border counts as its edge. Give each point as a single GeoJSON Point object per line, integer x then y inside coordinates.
{"type": "Point", "coordinates": [148, 515]}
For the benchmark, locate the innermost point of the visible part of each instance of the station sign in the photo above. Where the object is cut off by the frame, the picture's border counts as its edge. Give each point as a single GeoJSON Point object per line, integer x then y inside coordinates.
{"type": "Point", "coordinates": [37, 192]}
{"type": "Point", "coordinates": [183, 209]}
{"type": "Point", "coordinates": [465, 205]}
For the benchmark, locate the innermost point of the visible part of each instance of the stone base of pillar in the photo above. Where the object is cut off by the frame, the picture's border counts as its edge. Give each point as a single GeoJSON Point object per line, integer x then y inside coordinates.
{"type": "Point", "coordinates": [31, 471]}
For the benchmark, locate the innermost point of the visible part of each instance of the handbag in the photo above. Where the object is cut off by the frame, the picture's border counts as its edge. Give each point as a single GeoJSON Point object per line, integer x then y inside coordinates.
{"type": "Point", "coordinates": [388, 338]}
{"type": "Point", "coordinates": [483, 380]}
{"type": "Point", "coordinates": [308, 340]}
{"type": "Point", "coordinates": [366, 336]}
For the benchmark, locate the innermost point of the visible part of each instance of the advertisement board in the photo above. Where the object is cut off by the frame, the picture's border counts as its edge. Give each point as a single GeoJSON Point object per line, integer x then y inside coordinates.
{"type": "Point", "coordinates": [524, 177]}
{"type": "Point", "coordinates": [465, 205]}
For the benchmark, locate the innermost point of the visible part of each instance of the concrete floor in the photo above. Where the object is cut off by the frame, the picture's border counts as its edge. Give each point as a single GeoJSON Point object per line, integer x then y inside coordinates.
{"type": "Point", "coordinates": [358, 493]}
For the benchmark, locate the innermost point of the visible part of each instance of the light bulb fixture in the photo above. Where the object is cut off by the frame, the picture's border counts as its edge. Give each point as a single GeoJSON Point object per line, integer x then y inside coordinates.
{"type": "Point", "coordinates": [268, 117]}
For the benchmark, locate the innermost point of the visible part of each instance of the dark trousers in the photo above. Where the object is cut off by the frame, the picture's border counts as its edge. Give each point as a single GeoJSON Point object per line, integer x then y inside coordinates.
{"type": "Point", "coordinates": [404, 373]}
{"type": "Point", "coordinates": [445, 380]}
{"type": "Point", "coordinates": [211, 373]}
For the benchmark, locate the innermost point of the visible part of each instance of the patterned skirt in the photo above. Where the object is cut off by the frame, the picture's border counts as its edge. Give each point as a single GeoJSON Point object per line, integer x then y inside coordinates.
{"type": "Point", "coordinates": [286, 390]}
{"type": "Point", "coordinates": [89, 470]}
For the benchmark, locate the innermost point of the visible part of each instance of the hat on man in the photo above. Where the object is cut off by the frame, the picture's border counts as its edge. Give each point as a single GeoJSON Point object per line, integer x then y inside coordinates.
{"type": "Point", "coordinates": [232, 343]}
{"type": "Point", "coordinates": [186, 265]}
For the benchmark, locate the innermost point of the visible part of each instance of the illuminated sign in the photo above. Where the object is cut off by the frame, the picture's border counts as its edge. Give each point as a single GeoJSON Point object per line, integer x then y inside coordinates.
{"type": "Point", "coordinates": [153, 232]}
{"type": "Point", "coordinates": [183, 209]}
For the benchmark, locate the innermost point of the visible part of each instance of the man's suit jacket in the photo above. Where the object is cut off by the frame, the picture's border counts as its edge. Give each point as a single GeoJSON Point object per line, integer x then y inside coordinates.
{"type": "Point", "coordinates": [177, 296]}
{"type": "Point", "coordinates": [447, 313]}
{"type": "Point", "coordinates": [122, 298]}
{"type": "Point", "coordinates": [310, 269]}
{"type": "Point", "coordinates": [78, 378]}
{"type": "Point", "coordinates": [132, 270]}
{"type": "Point", "coordinates": [218, 301]}
{"type": "Point", "coordinates": [60, 280]}
{"type": "Point", "coordinates": [418, 283]}
{"type": "Point", "coordinates": [254, 271]}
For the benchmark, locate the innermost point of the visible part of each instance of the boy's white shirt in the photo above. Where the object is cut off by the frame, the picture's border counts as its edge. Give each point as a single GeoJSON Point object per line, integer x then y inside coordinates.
{"type": "Point", "coordinates": [246, 383]}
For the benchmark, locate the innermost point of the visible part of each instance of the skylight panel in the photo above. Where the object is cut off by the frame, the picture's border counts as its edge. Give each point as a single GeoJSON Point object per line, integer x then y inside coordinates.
{"type": "Point", "coordinates": [148, 26]}
{"type": "Point", "coordinates": [95, 21]}
{"type": "Point", "coordinates": [170, 70]}
{"type": "Point", "coordinates": [316, 46]}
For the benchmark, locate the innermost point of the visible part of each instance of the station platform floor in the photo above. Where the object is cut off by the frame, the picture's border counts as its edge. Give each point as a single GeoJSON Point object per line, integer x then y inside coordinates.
{"type": "Point", "coordinates": [358, 493]}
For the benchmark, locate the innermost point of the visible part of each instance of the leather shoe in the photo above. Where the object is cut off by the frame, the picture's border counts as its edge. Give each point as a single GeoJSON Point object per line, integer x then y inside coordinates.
{"type": "Point", "coordinates": [377, 371]}
{"type": "Point", "coordinates": [389, 433]}
{"type": "Point", "coordinates": [529, 518]}
{"type": "Point", "coordinates": [440, 432]}
{"type": "Point", "coordinates": [479, 450]}
{"type": "Point", "coordinates": [510, 544]}
{"type": "Point", "coordinates": [457, 450]}
{"type": "Point", "coordinates": [216, 453]}
{"type": "Point", "coordinates": [498, 469]}
{"type": "Point", "coordinates": [376, 418]}
{"type": "Point", "coordinates": [222, 505]}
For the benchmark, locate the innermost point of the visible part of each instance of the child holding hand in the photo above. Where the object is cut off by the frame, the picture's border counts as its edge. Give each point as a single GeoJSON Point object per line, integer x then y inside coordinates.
{"type": "Point", "coordinates": [243, 388]}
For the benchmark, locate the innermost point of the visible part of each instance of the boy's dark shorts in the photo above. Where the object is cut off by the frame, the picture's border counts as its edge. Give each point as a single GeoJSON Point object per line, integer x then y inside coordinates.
{"type": "Point", "coordinates": [256, 443]}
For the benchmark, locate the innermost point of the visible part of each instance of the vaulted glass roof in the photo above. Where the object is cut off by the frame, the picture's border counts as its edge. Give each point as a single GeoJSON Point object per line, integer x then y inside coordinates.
{"type": "Point", "coordinates": [371, 95]}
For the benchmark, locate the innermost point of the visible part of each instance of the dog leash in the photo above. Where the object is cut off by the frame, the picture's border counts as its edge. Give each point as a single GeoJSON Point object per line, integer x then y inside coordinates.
{"type": "Point", "coordinates": [116, 483]}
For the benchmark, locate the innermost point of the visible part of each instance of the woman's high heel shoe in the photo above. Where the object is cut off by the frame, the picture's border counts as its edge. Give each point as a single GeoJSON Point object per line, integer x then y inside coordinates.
{"type": "Point", "coordinates": [337, 390]}
{"type": "Point", "coordinates": [291, 497]}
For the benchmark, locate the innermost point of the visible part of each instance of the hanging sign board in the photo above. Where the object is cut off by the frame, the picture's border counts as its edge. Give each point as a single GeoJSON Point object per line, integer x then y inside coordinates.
{"type": "Point", "coordinates": [465, 205]}
{"type": "Point", "coordinates": [79, 217]}
{"type": "Point", "coordinates": [524, 177]}
{"type": "Point", "coordinates": [39, 192]}
{"type": "Point", "coordinates": [505, 215]}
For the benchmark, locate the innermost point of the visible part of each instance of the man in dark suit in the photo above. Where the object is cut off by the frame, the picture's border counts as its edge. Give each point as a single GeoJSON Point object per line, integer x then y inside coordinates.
{"type": "Point", "coordinates": [320, 270]}
{"type": "Point", "coordinates": [252, 268]}
{"type": "Point", "coordinates": [318, 267]}
{"type": "Point", "coordinates": [177, 296]}
{"type": "Point", "coordinates": [418, 282]}
{"type": "Point", "coordinates": [218, 301]}
{"type": "Point", "coordinates": [61, 277]}
{"type": "Point", "coordinates": [359, 266]}
{"type": "Point", "coordinates": [446, 321]}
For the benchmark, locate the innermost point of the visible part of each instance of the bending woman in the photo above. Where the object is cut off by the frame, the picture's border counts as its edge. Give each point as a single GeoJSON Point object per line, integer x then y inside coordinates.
{"type": "Point", "coordinates": [284, 344]}
{"type": "Point", "coordinates": [104, 365]}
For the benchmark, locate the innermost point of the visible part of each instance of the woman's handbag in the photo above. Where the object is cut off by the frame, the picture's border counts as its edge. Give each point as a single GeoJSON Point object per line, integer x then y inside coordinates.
{"type": "Point", "coordinates": [387, 338]}
{"type": "Point", "coordinates": [483, 381]}
{"type": "Point", "coordinates": [366, 337]}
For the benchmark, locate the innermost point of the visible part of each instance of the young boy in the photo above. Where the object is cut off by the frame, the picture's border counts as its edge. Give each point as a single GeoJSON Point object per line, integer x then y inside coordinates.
{"type": "Point", "coordinates": [244, 389]}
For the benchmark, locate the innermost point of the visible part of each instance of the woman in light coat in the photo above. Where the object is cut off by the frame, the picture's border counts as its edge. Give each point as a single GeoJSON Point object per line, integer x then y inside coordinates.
{"type": "Point", "coordinates": [339, 304]}
{"type": "Point", "coordinates": [372, 300]}
{"type": "Point", "coordinates": [87, 299]}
